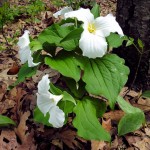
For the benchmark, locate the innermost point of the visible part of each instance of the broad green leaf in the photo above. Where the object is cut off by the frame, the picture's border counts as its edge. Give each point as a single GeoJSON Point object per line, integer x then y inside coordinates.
{"type": "Point", "coordinates": [105, 76]}
{"type": "Point", "coordinates": [77, 89]}
{"type": "Point", "coordinates": [96, 10]}
{"type": "Point", "coordinates": [66, 106]}
{"type": "Point", "coordinates": [126, 107]}
{"type": "Point", "coordinates": [146, 94]}
{"type": "Point", "coordinates": [140, 43]}
{"type": "Point", "coordinates": [132, 120]}
{"type": "Point", "coordinates": [87, 123]}
{"type": "Point", "coordinates": [114, 40]}
{"type": "Point", "coordinates": [55, 90]}
{"type": "Point", "coordinates": [5, 121]}
{"type": "Point", "coordinates": [50, 36]}
{"type": "Point", "coordinates": [36, 45]}
{"type": "Point", "coordinates": [55, 33]}
{"type": "Point", "coordinates": [129, 41]}
{"type": "Point", "coordinates": [40, 118]}
{"type": "Point", "coordinates": [25, 72]}
{"type": "Point", "coordinates": [68, 97]}
{"type": "Point", "coordinates": [75, 34]}
{"type": "Point", "coordinates": [66, 64]}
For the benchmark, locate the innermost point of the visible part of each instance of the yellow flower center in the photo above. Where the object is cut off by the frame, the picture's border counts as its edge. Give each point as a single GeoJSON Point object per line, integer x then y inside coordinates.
{"type": "Point", "coordinates": [91, 28]}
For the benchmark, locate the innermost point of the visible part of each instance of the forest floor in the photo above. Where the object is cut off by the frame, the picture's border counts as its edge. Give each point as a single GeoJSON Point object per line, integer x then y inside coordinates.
{"type": "Point", "coordinates": [19, 102]}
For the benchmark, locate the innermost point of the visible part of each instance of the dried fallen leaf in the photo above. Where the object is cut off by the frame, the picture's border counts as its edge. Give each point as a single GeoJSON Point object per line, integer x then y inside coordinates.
{"type": "Point", "coordinates": [8, 140]}
{"type": "Point", "coordinates": [114, 115]}
{"type": "Point", "coordinates": [107, 125]}
{"type": "Point", "coordinates": [132, 139]}
{"type": "Point", "coordinates": [147, 131]}
{"type": "Point", "coordinates": [13, 70]}
{"type": "Point", "coordinates": [68, 137]}
{"type": "Point", "coordinates": [97, 145]}
{"type": "Point", "coordinates": [22, 128]}
{"type": "Point", "coordinates": [27, 140]}
{"type": "Point", "coordinates": [143, 144]}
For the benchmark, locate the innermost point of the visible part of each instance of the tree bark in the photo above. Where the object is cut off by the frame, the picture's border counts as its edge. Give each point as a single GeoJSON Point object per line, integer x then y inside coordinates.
{"type": "Point", "coordinates": [134, 18]}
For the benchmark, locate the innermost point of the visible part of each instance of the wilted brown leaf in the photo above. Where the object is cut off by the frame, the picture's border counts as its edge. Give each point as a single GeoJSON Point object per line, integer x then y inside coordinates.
{"type": "Point", "coordinates": [8, 140]}
{"type": "Point", "coordinates": [132, 139]}
{"type": "Point", "coordinates": [106, 124]}
{"type": "Point", "coordinates": [143, 144]}
{"type": "Point", "coordinates": [68, 137]}
{"type": "Point", "coordinates": [97, 145]}
{"type": "Point", "coordinates": [22, 128]}
{"type": "Point", "coordinates": [114, 115]}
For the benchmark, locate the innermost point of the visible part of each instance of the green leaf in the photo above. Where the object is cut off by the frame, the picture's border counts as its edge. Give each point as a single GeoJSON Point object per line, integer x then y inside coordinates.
{"type": "Point", "coordinates": [5, 121]}
{"type": "Point", "coordinates": [68, 97]}
{"type": "Point", "coordinates": [66, 107]}
{"type": "Point", "coordinates": [105, 76]}
{"type": "Point", "coordinates": [55, 33]}
{"type": "Point", "coordinates": [114, 40]}
{"type": "Point", "coordinates": [36, 45]}
{"type": "Point", "coordinates": [75, 34]}
{"type": "Point", "coordinates": [87, 123]}
{"type": "Point", "coordinates": [49, 35]}
{"type": "Point", "coordinates": [25, 72]}
{"type": "Point", "coordinates": [96, 10]}
{"type": "Point", "coordinates": [66, 64]}
{"type": "Point", "coordinates": [77, 89]}
{"type": "Point", "coordinates": [55, 90]}
{"type": "Point", "coordinates": [132, 120]}
{"type": "Point", "coordinates": [129, 41]}
{"type": "Point", "coordinates": [141, 44]}
{"type": "Point", "coordinates": [146, 94]}
{"type": "Point", "coordinates": [130, 123]}
{"type": "Point", "coordinates": [40, 118]}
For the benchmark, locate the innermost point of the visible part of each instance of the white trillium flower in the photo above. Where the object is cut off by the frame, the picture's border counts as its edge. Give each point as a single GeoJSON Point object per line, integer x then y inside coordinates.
{"type": "Point", "coordinates": [47, 103]}
{"type": "Point", "coordinates": [93, 42]}
{"type": "Point", "coordinates": [24, 49]}
{"type": "Point", "coordinates": [62, 11]}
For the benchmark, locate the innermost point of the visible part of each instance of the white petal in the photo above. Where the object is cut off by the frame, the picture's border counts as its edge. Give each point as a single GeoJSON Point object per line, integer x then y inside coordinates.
{"type": "Point", "coordinates": [43, 85]}
{"type": "Point", "coordinates": [82, 15]}
{"type": "Point", "coordinates": [57, 117]}
{"type": "Point", "coordinates": [108, 24]}
{"type": "Point", "coordinates": [24, 54]}
{"type": "Point", "coordinates": [24, 40]}
{"type": "Point", "coordinates": [44, 103]}
{"type": "Point", "coordinates": [92, 45]}
{"type": "Point", "coordinates": [55, 98]}
{"type": "Point", "coordinates": [30, 61]}
{"type": "Point", "coordinates": [62, 11]}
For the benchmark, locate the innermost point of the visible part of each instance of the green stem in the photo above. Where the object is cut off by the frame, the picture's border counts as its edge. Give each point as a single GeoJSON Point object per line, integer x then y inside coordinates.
{"type": "Point", "coordinates": [76, 22]}
{"type": "Point", "coordinates": [137, 49]}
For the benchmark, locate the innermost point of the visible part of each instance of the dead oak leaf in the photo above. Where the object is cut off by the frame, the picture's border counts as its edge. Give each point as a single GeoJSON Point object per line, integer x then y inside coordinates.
{"type": "Point", "coordinates": [143, 144]}
{"type": "Point", "coordinates": [68, 137]}
{"type": "Point", "coordinates": [106, 124]}
{"type": "Point", "coordinates": [22, 128]}
{"type": "Point", "coordinates": [114, 115]}
{"type": "Point", "coordinates": [97, 145]}
{"type": "Point", "coordinates": [8, 140]}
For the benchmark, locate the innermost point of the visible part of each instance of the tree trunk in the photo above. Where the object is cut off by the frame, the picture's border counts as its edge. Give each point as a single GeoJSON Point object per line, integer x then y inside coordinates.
{"type": "Point", "coordinates": [134, 18]}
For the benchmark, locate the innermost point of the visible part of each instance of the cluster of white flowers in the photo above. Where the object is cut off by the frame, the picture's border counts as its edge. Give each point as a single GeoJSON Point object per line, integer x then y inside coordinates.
{"type": "Point", "coordinates": [92, 43]}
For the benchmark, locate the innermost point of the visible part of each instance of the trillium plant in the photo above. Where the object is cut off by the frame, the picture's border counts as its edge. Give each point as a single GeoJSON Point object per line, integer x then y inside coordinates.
{"type": "Point", "coordinates": [79, 47]}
